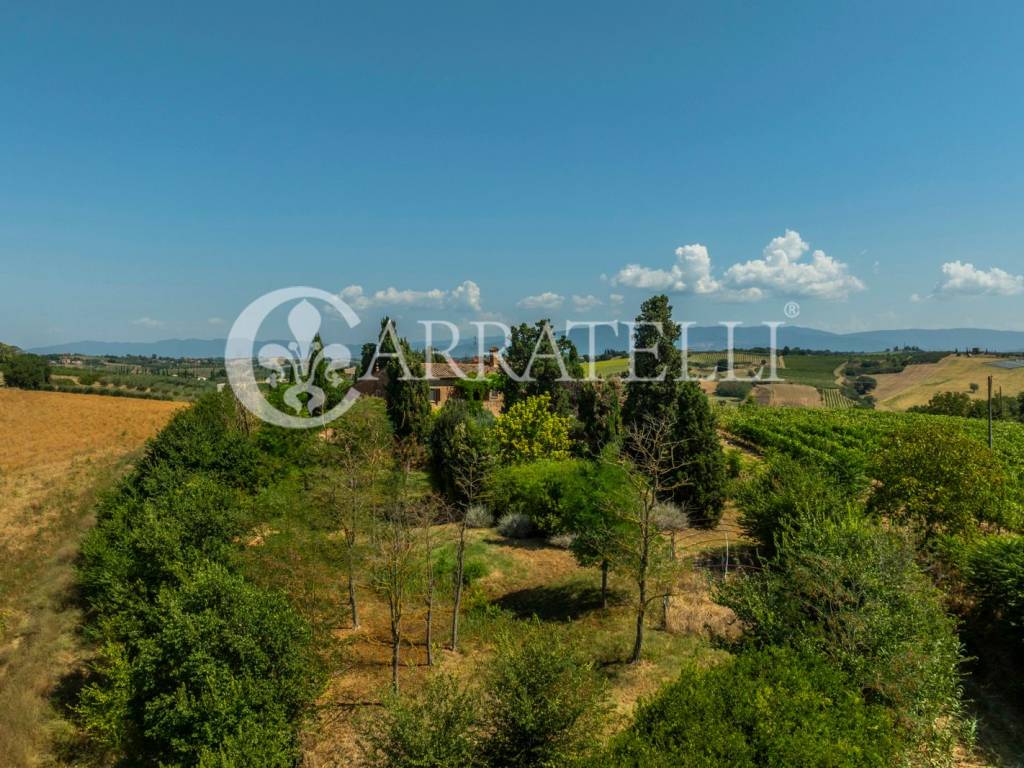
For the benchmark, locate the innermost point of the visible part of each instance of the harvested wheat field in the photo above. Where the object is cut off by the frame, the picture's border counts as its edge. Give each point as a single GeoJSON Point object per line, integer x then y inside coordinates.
{"type": "Point", "coordinates": [917, 384]}
{"type": "Point", "coordinates": [792, 395]}
{"type": "Point", "coordinates": [47, 436]}
{"type": "Point", "coordinates": [58, 451]}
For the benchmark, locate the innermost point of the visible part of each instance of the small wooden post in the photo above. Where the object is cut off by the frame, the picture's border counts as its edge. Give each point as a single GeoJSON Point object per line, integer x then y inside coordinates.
{"type": "Point", "coordinates": [989, 411]}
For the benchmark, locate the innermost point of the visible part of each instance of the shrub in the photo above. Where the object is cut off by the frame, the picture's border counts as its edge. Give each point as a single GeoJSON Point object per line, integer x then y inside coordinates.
{"type": "Point", "coordinates": [438, 729]}
{"type": "Point", "coordinates": [774, 707]}
{"type": "Point", "coordinates": [842, 587]}
{"type": "Point", "coordinates": [737, 389]}
{"type": "Point", "coordinates": [995, 576]}
{"type": "Point", "coordinates": [562, 540]}
{"type": "Point", "coordinates": [531, 430]}
{"type": "Point", "coordinates": [733, 463]}
{"type": "Point", "coordinates": [516, 526]}
{"type": "Point", "coordinates": [27, 372]}
{"type": "Point", "coordinates": [226, 664]}
{"type": "Point", "coordinates": [783, 494]}
{"type": "Point", "coordinates": [536, 490]}
{"type": "Point", "coordinates": [938, 480]}
{"type": "Point", "coordinates": [543, 702]}
{"type": "Point", "coordinates": [479, 516]}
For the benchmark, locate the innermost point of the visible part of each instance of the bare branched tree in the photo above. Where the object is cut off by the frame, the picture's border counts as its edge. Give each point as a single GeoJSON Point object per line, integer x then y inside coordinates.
{"type": "Point", "coordinates": [396, 552]}
{"type": "Point", "coordinates": [640, 551]}
{"type": "Point", "coordinates": [357, 458]}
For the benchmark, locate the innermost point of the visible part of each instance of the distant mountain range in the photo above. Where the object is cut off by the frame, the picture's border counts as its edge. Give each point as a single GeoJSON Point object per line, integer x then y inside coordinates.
{"type": "Point", "coordinates": [700, 338]}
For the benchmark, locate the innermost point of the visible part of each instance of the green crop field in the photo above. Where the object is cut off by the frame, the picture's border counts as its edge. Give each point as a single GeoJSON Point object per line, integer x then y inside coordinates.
{"type": "Point", "coordinates": [814, 370]}
{"type": "Point", "coordinates": [834, 398]}
{"type": "Point", "coordinates": [844, 439]}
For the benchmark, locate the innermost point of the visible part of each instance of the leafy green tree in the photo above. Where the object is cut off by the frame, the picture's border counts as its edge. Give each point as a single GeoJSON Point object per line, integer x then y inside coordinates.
{"type": "Point", "coordinates": [408, 400]}
{"type": "Point", "coordinates": [543, 702]}
{"type": "Point", "coordinates": [27, 371]}
{"type": "Point", "coordinates": [784, 494]}
{"type": "Point", "coordinates": [591, 499]}
{"type": "Point", "coordinates": [225, 672]}
{"type": "Point", "coordinates": [599, 416]}
{"type": "Point", "coordinates": [842, 587]}
{"type": "Point", "coordinates": [531, 430]}
{"type": "Point", "coordinates": [654, 399]}
{"type": "Point", "coordinates": [539, 490]}
{"type": "Point", "coordinates": [702, 477]}
{"type": "Point", "coordinates": [936, 479]}
{"type": "Point", "coordinates": [556, 358]}
{"type": "Point", "coordinates": [774, 707]}
{"type": "Point", "coordinates": [460, 436]}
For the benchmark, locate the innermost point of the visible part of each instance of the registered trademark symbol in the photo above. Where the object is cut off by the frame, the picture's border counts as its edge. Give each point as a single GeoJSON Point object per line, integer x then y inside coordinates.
{"type": "Point", "coordinates": [792, 310]}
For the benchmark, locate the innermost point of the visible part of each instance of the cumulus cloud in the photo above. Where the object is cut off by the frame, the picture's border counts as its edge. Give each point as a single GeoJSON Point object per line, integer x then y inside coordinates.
{"type": "Point", "coordinates": [691, 273]}
{"type": "Point", "coordinates": [616, 299]}
{"type": "Point", "coordinates": [781, 270]}
{"type": "Point", "coordinates": [585, 303]}
{"type": "Point", "coordinates": [546, 300]}
{"type": "Point", "coordinates": [965, 279]}
{"type": "Point", "coordinates": [466, 295]}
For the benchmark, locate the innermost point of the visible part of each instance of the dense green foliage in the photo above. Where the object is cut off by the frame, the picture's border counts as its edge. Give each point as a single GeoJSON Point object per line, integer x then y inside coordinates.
{"type": "Point", "coordinates": [598, 417]}
{"type": "Point", "coordinates": [542, 490]}
{"type": "Point", "coordinates": [539, 705]}
{"type": "Point", "coordinates": [936, 481]}
{"type": "Point", "coordinates": [843, 587]}
{"type": "Point", "coordinates": [554, 361]}
{"type": "Point", "coordinates": [654, 399]}
{"type": "Point", "coordinates": [843, 443]}
{"type": "Point", "coordinates": [995, 576]}
{"type": "Point", "coordinates": [775, 707]}
{"type": "Point", "coordinates": [461, 448]}
{"type": "Point", "coordinates": [531, 430]}
{"type": "Point", "coordinates": [701, 477]}
{"type": "Point", "coordinates": [783, 494]}
{"type": "Point", "coordinates": [26, 371]}
{"type": "Point", "coordinates": [197, 667]}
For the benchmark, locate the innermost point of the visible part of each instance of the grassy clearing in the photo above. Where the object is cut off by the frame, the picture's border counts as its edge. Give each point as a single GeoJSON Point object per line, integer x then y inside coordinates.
{"type": "Point", "coordinates": [813, 370]}
{"type": "Point", "coordinates": [295, 547]}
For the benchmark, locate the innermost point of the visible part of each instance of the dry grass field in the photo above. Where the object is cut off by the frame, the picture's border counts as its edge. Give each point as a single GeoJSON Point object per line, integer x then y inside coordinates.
{"type": "Point", "coordinates": [918, 383]}
{"type": "Point", "coordinates": [57, 451]}
{"type": "Point", "coordinates": [789, 395]}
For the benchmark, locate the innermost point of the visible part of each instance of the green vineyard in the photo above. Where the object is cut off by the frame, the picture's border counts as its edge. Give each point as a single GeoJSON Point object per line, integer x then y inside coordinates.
{"type": "Point", "coordinates": [843, 439]}
{"type": "Point", "coordinates": [834, 398]}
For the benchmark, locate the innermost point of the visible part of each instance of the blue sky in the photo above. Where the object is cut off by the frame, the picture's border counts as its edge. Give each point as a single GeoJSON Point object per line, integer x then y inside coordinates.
{"type": "Point", "coordinates": [160, 168]}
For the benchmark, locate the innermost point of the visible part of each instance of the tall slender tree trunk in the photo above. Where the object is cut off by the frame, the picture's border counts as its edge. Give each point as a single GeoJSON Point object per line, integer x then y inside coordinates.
{"type": "Point", "coordinates": [604, 584]}
{"type": "Point", "coordinates": [353, 608]}
{"type": "Point", "coordinates": [460, 562]}
{"type": "Point", "coordinates": [638, 642]}
{"type": "Point", "coordinates": [430, 623]}
{"type": "Point", "coordinates": [396, 644]}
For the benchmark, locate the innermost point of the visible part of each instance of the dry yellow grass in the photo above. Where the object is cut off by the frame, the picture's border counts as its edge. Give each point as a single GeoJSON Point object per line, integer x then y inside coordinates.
{"type": "Point", "coordinates": [46, 436]}
{"type": "Point", "coordinates": [917, 384]}
{"type": "Point", "coordinates": [56, 450]}
{"type": "Point", "coordinates": [791, 395]}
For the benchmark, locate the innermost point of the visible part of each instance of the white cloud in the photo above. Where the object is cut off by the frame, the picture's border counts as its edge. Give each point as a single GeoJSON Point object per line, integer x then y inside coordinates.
{"type": "Point", "coordinates": [215, 320]}
{"type": "Point", "coordinates": [690, 274]}
{"type": "Point", "coordinates": [466, 295]}
{"type": "Point", "coordinates": [585, 303]}
{"type": "Point", "coordinates": [781, 271]}
{"type": "Point", "coordinates": [616, 299]}
{"type": "Point", "coordinates": [964, 279]}
{"type": "Point", "coordinates": [546, 300]}
{"type": "Point", "coordinates": [149, 322]}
